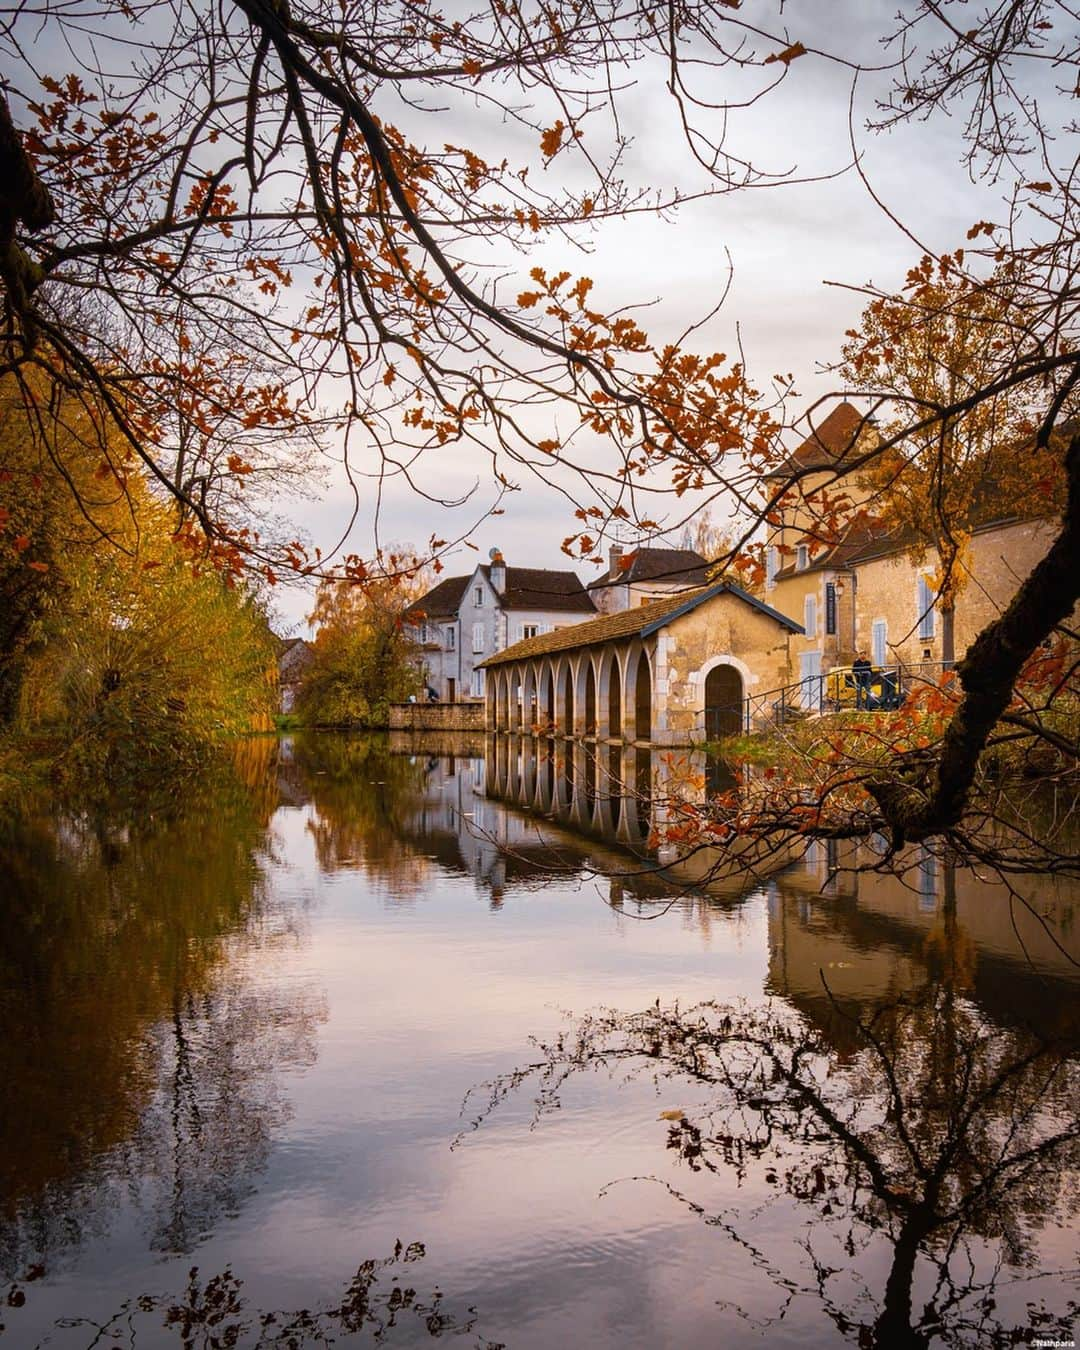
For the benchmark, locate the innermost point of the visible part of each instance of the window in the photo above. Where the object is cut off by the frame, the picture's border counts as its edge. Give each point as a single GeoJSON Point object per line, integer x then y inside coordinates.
{"type": "Point", "coordinates": [530, 630]}
{"type": "Point", "coordinates": [772, 566]}
{"type": "Point", "coordinates": [478, 597]}
{"type": "Point", "coordinates": [478, 636]}
{"type": "Point", "coordinates": [925, 607]}
{"type": "Point", "coordinates": [810, 615]}
{"type": "Point", "coordinates": [830, 608]}
{"type": "Point", "coordinates": [451, 638]}
{"type": "Point", "coordinates": [802, 557]}
{"type": "Point", "coordinates": [477, 687]}
{"type": "Point", "coordinates": [423, 633]}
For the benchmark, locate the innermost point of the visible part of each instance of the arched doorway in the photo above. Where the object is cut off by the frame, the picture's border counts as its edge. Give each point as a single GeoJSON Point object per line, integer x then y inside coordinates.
{"type": "Point", "coordinates": [723, 702]}
{"type": "Point", "coordinates": [642, 700]}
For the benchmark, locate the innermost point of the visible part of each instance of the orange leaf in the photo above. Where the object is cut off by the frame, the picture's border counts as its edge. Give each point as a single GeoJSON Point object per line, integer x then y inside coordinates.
{"type": "Point", "coordinates": [552, 138]}
{"type": "Point", "coordinates": [788, 55]}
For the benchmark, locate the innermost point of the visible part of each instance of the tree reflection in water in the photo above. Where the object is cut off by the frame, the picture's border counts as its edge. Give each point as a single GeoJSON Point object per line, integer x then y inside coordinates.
{"type": "Point", "coordinates": [211, 1314]}
{"type": "Point", "coordinates": [954, 1142]}
{"type": "Point", "coordinates": [140, 1061]}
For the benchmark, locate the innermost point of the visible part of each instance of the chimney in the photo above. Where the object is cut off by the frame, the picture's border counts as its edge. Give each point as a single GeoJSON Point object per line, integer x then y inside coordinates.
{"type": "Point", "coordinates": [614, 554]}
{"type": "Point", "coordinates": [498, 571]}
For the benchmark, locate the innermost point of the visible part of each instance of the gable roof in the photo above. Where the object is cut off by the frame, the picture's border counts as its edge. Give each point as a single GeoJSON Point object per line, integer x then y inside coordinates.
{"type": "Point", "coordinates": [828, 445]}
{"type": "Point", "coordinates": [441, 602]}
{"type": "Point", "coordinates": [681, 566]}
{"type": "Point", "coordinates": [542, 588]}
{"type": "Point", "coordinates": [641, 621]}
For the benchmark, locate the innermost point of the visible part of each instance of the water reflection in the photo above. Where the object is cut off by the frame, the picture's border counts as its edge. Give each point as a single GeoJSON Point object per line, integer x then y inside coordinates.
{"type": "Point", "coordinates": [213, 1312]}
{"type": "Point", "coordinates": [135, 1058]}
{"type": "Point", "coordinates": [935, 1147]}
{"type": "Point", "coordinates": [887, 1119]}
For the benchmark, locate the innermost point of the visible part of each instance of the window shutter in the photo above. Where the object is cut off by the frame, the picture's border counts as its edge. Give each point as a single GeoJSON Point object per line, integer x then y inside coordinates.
{"type": "Point", "coordinates": [772, 566]}
{"type": "Point", "coordinates": [810, 615]}
{"type": "Point", "coordinates": [478, 637]}
{"type": "Point", "coordinates": [926, 609]}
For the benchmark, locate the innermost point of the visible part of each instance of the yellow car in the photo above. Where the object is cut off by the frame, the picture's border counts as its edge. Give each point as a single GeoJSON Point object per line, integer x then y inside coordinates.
{"type": "Point", "coordinates": [845, 688]}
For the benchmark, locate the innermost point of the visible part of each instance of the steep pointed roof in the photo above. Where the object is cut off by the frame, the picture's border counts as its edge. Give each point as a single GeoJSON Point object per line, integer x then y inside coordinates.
{"type": "Point", "coordinates": [829, 444]}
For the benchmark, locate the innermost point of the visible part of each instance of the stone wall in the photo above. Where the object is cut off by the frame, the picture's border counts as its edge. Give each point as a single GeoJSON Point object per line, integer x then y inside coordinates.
{"type": "Point", "coordinates": [998, 561]}
{"type": "Point", "coordinates": [723, 631]}
{"type": "Point", "coordinates": [437, 717]}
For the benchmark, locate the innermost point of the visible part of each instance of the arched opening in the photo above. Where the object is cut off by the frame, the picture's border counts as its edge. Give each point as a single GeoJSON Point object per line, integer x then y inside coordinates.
{"type": "Point", "coordinates": [614, 679]}
{"type": "Point", "coordinates": [549, 699]}
{"type": "Point", "coordinates": [590, 700]}
{"type": "Point", "coordinates": [528, 700]}
{"type": "Point", "coordinates": [567, 709]}
{"type": "Point", "coordinates": [515, 699]}
{"type": "Point", "coordinates": [642, 700]}
{"type": "Point", "coordinates": [723, 702]}
{"type": "Point", "coordinates": [504, 700]}
{"type": "Point", "coordinates": [492, 708]}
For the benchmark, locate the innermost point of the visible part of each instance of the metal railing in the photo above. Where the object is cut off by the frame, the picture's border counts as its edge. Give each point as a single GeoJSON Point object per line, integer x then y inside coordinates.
{"type": "Point", "coordinates": [877, 689]}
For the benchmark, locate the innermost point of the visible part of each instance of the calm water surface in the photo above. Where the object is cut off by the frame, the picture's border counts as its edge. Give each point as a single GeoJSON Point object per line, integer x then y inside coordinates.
{"type": "Point", "coordinates": [267, 1031]}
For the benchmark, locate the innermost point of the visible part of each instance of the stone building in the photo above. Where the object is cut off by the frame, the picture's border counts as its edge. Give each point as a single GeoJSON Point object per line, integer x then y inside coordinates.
{"type": "Point", "coordinates": [466, 619]}
{"type": "Point", "coordinates": [671, 672]}
{"type": "Point", "coordinates": [855, 588]}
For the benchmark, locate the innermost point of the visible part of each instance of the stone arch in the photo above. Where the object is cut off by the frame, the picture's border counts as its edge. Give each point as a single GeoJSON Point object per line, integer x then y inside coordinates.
{"type": "Point", "coordinates": [589, 701]}
{"type": "Point", "coordinates": [610, 682]}
{"type": "Point", "coordinates": [491, 691]}
{"type": "Point", "coordinates": [565, 698]}
{"type": "Point", "coordinates": [504, 698]}
{"type": "Point", "coordinates": [547, 710]}
{"type": "Point", "coordinates": [640, 689]}
{"type": "Point", "coordinates": [529, 714]}
{"type": "Point", "coordinates": [514, 679]}
{"type": "Point", "coordinates": [700, 677]}
{"type": "Point", "coordinates": [724, 695]}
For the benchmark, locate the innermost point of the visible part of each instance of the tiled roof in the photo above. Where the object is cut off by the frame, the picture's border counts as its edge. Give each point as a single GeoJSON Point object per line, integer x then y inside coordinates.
{"type": "Point", "coordinates": [541, 588]}
{"type": "Point", "coordinates": [638, 621]}
{"type": "Point", "coordinates": [682, 566]}
{"type": "Point", "coordinates": [828, 445]}
{"type": "Point", "coordinates": [863, 542]}
{"type": "Point", "coordinates": [441, 602]}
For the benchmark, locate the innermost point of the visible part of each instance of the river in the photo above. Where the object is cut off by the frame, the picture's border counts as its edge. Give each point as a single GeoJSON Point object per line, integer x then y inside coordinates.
{"type": "Point", "coordinates": [343, 1045]}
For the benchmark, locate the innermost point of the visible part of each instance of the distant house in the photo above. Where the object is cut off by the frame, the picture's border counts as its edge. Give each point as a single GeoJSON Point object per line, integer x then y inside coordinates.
{"type": "Point", "coordinates": [294, 658]}
{"type": "Point", "coordinates": [463, 620]}
{"type": "Point", "coordinates": [645, 574]}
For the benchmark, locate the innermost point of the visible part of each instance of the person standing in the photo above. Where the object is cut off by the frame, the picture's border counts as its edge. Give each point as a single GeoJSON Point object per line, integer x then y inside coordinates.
{"type": "Point", "coordinates": [861, 671]}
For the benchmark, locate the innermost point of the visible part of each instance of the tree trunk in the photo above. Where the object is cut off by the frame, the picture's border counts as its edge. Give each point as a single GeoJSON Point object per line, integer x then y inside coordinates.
{"type": "Point", "coordinates": [948, 641]}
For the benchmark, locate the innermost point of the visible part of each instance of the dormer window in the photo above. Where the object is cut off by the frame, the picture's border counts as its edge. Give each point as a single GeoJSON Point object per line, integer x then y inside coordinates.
{"type": "Point", "coordinates": [802, 557]}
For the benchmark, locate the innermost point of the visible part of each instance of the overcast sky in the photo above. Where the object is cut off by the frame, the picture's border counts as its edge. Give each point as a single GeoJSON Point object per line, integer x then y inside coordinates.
{"type": "Point", "coordinates": [784, 242]}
